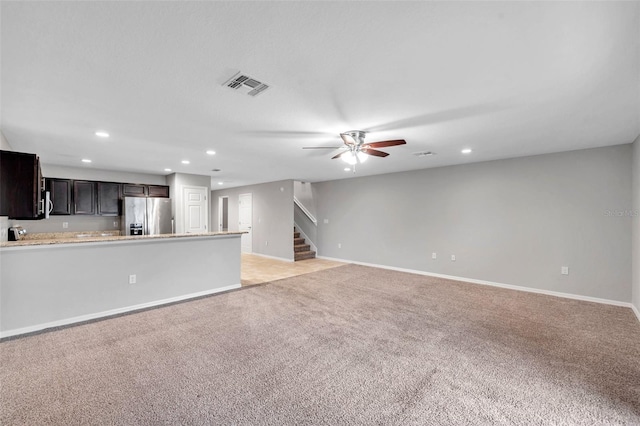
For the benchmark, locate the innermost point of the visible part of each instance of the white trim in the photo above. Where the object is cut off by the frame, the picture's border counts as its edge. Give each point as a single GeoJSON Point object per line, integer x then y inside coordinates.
{"type": "Point", "coordinates": [635, 311]}
{"type": "Point", "coordinates": [220, 203]}
{"type": "Point", "coordinates": [112, 312]}
{"type": "Point", "coordinates": [305, 211]}
{"type": "Point", "coordinates": [307, 239]}
{"type": "Point", "coordinates": [249, 231]}
{"type": "Point", "coordinates": [284, 259]}
{"type": "Point", "coordinates": [490, 283]}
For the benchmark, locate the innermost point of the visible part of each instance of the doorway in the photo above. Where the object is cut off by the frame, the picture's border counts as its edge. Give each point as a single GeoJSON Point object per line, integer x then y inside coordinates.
{"type": "Point", "coordinates": [195, 209]}
{"type": "Point", "coordinates": [245, 211]}
{"type": "Point", "coordinates": [223, 214]}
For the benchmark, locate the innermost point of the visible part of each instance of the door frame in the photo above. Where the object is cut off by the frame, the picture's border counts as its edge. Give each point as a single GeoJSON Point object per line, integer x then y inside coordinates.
{"type": "Point", "coordinates": [220, 203]}
{"type": "Point", "coordinates": [249, 235]}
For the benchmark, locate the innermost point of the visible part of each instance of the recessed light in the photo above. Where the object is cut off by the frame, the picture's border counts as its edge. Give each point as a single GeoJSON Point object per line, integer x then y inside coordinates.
{"type": "Point", "coordinates": [466, 151]}
{"type": "Point", "coordinates": [102, 134]}
{"type": "Point", "coordinates": [86, 160]}
{"type": "Point", "coordinates": [185, 161]}
{"type": "Point", "coordinates": [347, 169]}
{"type": "Point", "coordinates": [167, 170]}
{"type": "Point", "coordinates": [220, 183]}
{"type": "Point", "coordinates": [211, 152]}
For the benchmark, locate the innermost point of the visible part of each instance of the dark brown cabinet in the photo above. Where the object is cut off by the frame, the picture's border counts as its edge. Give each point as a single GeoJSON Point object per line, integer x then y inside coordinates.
{"type": "Point", "coordinates": [134, 190]}
{"type": "Point", "coordinates": [20, 185]}
{"type": "Point", "coordinates": [87, 197]}
{"type": "Point", "coordinates": [158, 191]}
{"type": "Point", "coordinates": [109, 199]}
{"type": "Point", "coordinates": [60, 195]}
{"type": "Point", "coordinates": [84, 197]}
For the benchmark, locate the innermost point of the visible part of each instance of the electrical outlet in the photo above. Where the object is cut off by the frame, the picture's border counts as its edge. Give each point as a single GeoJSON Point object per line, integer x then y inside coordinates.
{"type": "Point", "coordinates": [115, 223]}
{"type": "Point", "coordinates": [564, 270]}
{"type": "Point", "coordinates": [266, 243]}
{"type": "Point", "coordinates": [65, 225]}
{"type": "Point", "coordinates": [326, 221]}
{"type": "Point", "coordinates": [132, 279]}
{"type": "Point", "coordinates": [453, 257]}
{"type": "Point", "coordinates": [434, 256]}
{"type": "Point", "coordinates": [339, 245]}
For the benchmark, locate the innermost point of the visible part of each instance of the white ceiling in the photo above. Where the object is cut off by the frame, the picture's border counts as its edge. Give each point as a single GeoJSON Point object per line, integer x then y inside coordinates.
{"type": "Point", "coordinates": [505, 79]}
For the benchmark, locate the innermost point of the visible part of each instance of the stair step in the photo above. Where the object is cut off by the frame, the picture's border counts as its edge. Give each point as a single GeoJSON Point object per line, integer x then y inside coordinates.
{"type": "Point", "coordinates": [301, 247]}
{"type": "Point", "coordinates": [297, 241]}
{"type": "Point", "coordinates": [302, 255]}
{"type": "Point", "coordinates": [296, 235]}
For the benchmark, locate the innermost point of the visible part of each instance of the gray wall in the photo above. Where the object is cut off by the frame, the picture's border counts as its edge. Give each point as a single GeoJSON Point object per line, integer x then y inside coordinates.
{"type": "Point", "coordinates": [177, 182]}
{"type": "Point", "coordinates": [513, 221]}
{"type": "Point", "coordinates": [43, 284]}
{"type": "Point", "coordinates": [4, 143]}
{"type": "Point", "coordinates": [636, 224]}
{"type": "Point", "coordinates": [88, 173]}
{"type": "Point", "coordinates": [272, 216]}
{"type": "Point", "coordinates": [85, 223]}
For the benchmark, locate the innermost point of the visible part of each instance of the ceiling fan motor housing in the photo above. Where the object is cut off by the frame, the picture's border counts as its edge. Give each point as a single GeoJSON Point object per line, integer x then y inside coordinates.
{"type": "Point", "coordinates": [357, 135]}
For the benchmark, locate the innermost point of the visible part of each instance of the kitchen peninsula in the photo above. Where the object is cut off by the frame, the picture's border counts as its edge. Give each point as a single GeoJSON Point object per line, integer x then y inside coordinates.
{"type": "Point", "coordinates": [46, 283]}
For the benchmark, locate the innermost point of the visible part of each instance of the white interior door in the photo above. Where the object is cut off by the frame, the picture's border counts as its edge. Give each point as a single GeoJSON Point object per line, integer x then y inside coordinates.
{"type": "Point", "coordinates": [244, 221]}
{"type": "Point", "coordinates": [195, 208]}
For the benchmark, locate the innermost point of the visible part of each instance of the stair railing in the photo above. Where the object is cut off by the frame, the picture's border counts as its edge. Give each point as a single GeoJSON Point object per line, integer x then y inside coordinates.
{"type": "Point", "coordinates": [305, 211]}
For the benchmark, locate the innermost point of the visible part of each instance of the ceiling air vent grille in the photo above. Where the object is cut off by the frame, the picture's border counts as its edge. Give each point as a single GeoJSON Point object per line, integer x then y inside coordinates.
{"type": "Point", "coordinates": [246, 84]}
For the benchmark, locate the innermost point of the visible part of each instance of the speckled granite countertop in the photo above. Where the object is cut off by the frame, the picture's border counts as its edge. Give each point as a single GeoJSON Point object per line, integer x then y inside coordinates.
{"type": "Point", "coordinates": [98, 237]}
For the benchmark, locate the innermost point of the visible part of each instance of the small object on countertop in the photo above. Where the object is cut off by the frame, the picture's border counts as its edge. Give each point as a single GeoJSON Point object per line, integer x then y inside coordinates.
{"type": "Point", "coordinates": [16, 233]}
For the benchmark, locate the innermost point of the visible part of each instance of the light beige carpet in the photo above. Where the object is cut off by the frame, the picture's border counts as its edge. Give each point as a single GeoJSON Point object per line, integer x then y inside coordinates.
{"type": "Point", "coordinates": [347, 345]}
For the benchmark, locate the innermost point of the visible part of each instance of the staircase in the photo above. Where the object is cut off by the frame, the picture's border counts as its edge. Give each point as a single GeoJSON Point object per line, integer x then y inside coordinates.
{"type": "Point", "coordinates": [301, 250]}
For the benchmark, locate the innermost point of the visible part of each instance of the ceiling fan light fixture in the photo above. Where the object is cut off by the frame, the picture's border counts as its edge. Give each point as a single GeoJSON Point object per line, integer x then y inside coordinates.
{"type": "Point", "coordinates": [349, 158]}
{"type": "Point", "coordinates": [354, 157]}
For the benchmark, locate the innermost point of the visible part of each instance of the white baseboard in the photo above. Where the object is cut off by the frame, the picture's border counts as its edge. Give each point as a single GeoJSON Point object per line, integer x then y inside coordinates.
{"type": "Point", "coordinates": [272, 257]}
{"type": "Point", "coordinates": [635, 311]}
{"type": "Point", "coordinates": [111, 312]}
{"type": "Point", "coordinates": [491, 283]}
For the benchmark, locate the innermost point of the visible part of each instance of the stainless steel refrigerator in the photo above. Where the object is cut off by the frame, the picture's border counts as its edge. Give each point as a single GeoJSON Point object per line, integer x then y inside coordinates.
{"type": "Point", "coordinates": [146, 216]}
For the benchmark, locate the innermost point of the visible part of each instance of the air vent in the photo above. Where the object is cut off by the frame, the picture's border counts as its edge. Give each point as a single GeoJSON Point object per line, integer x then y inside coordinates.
{"type": "Point", "coordinates": [216, 170]}
{"type": "Point", "coordinates": [424, 154]}
{"type": "Point", "coordinates": [246, 84]}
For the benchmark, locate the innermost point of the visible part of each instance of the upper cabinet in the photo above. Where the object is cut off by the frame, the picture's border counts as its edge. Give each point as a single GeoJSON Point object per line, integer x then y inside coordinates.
{"type": "Point", "coordinates": [134, 190]}
{"type": "Point", "coordinates": [84, 197]}
{"type": "Point", "coordinates": [20, 185]}
{"type": "Point", "coordinates": [109, 199]}
{"type": "Point", "coordinates": [60, 195]}
{"type": "Point", "coordinates": [158, 191]}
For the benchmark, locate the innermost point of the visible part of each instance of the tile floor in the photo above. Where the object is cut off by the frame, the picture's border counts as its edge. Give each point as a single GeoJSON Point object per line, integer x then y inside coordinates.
{"type": "Point", "coordinates": [257, 269]}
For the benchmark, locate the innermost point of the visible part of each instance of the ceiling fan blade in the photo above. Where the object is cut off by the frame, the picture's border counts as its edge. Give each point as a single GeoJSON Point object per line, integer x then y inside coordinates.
{"type": "Point", "coordinates": [321, 147]}
{"type": "Point", "coordinates": [383, 144]}
{"type": "Point", "coordinates": [348, 139]}
{"type": "Point", "coordinates": [339, 155]}
{"type": "Point", "coordinates": [373, 152]}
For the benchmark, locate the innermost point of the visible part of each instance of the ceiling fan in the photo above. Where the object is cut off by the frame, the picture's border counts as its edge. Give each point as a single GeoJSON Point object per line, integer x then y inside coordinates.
{"type": "Point", "coordinates": [357, 151]}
